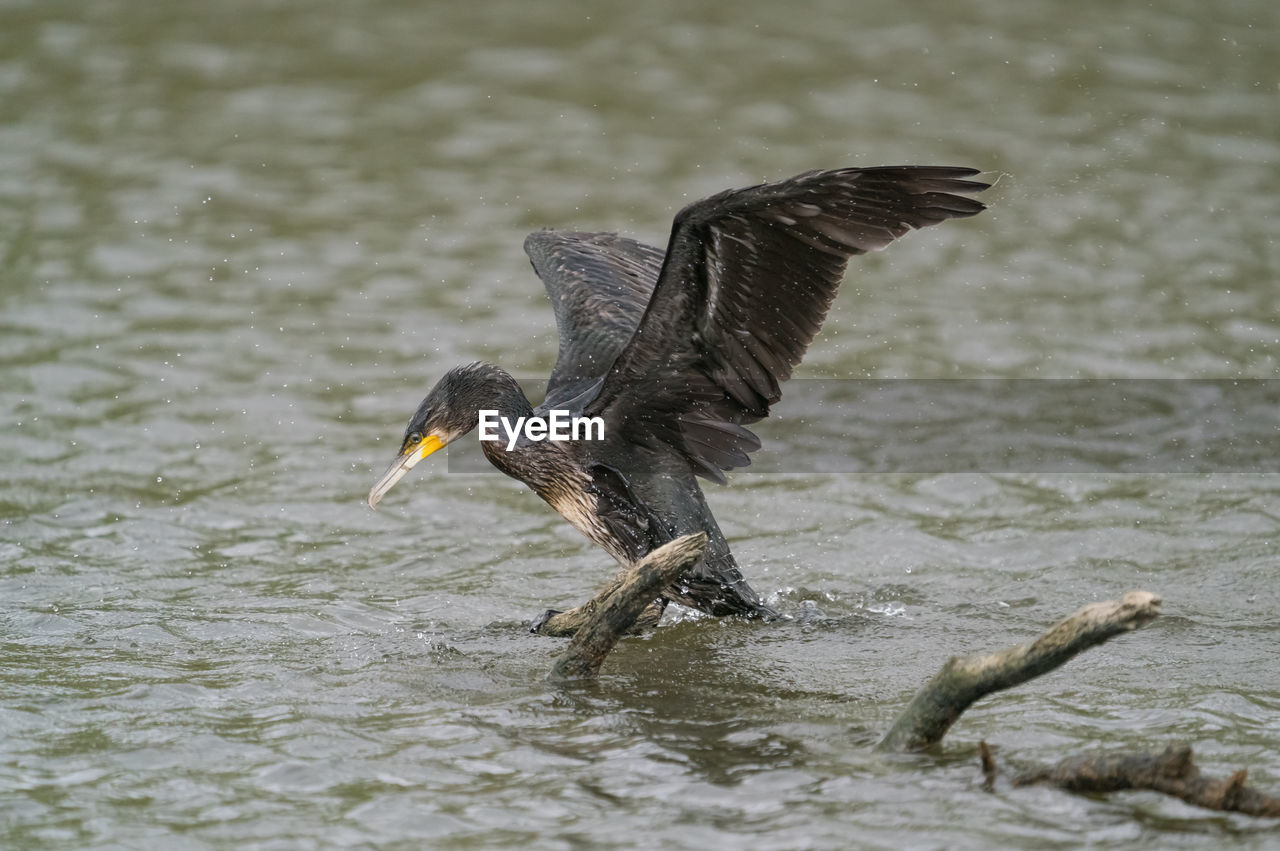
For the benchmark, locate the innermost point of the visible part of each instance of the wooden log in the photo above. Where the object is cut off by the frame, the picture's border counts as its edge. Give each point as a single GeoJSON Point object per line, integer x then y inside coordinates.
{"type": "Point", "coordinates": [964, 680]}
{"type": "Point", "coordinates": [1171, 773]}
{"type": "Point", "coordinates": [614, 611]}
{"type": "Point", "coordinates": [566, 624]}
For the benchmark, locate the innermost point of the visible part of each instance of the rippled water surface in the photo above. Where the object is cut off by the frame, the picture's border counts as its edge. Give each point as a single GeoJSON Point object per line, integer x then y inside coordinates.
{"type": "Point", "coordinates": [238, 241]}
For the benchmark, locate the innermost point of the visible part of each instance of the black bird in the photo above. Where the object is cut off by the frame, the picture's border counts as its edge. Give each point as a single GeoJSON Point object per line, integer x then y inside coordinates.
{"type": "Point", "coordinates": [676, 352]}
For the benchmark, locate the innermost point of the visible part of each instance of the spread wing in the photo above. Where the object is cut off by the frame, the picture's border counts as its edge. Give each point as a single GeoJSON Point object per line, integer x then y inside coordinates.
{"type": "Point", "coordinates": [599, 285]}
{"type": "Point", "coordinates": [747, 280]}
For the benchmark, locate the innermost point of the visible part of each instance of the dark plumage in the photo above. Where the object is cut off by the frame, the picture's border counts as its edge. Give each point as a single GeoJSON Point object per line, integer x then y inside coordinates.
{"type": "Point", "coordinates": [678, 351]}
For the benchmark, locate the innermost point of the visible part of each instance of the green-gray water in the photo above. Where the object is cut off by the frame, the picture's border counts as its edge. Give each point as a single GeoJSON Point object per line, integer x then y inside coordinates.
{"type": "Point", "coordinates": [239, 241]}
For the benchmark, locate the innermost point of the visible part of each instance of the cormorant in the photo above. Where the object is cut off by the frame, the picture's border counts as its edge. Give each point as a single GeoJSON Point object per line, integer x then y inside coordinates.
{"type": "Point", "coordinates": [677, 351]}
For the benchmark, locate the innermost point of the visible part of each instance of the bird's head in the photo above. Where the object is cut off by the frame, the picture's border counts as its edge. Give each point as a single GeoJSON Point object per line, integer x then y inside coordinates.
{"type": "Point", "coordinates": [447, 413]}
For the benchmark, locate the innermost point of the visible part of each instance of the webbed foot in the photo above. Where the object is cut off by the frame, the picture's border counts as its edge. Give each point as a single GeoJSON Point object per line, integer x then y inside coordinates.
{"type": "Point", "coordinates": [541, 620]}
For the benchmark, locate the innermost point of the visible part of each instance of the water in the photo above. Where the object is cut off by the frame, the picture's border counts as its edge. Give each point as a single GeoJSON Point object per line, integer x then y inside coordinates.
{"type": "Point", "coordinates": [239, 242]}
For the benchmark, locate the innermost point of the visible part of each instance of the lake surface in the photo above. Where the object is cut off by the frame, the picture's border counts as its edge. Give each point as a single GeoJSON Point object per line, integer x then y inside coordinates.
{"type": "Point", "coordinates": [239, 241]}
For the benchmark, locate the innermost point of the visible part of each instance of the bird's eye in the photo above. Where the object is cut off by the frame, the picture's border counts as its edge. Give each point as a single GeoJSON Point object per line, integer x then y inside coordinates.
{"type": "Point", "coordinates": [415, 438]}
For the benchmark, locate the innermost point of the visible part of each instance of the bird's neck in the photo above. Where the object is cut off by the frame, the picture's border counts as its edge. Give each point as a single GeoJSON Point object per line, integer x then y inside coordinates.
{"type": "Point", "coordinates": [501, 418]}
{"type": "Point", "coordinates": [548, 467]}
{"type": "Point", "coordinates": [506, 396]}
{"type": "Point", "coordinates": [505, 438]}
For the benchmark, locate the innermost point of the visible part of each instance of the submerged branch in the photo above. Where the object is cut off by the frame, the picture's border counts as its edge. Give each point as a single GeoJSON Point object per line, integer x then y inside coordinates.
{"type": "Point", "coordinates": [1171, 772]}
{"type": "Point", "coordinates": [988, 766]}
{"type": "Point", "coordinates": [566, 624]}
{"type": "Point", "coordinates": [615, 609]}
{"type": "Point", "coordinates": [964, 680]}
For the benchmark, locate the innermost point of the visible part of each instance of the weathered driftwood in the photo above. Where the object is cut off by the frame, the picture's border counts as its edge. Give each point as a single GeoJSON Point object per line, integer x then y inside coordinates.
{"type": "Point", "coordinates": [597, 626]}
{"type": "Point", "coordinates": [1171, 772]}
{"type": "Point", "coordinates": [965, 679]}
{"type": "Point", "coordinates": [567, 624]}
{"type": "Point", "coordinates": [614, 611]}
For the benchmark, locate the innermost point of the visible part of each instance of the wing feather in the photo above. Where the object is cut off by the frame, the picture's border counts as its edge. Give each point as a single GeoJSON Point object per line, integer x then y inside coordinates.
{"type": "Point", "coordinates": [599, 285]}
{"type": "Point", "coordinates": [747, 281]}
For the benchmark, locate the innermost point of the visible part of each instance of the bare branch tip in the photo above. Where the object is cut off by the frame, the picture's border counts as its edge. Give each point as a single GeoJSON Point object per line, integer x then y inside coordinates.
{"type": "Point", "coordinates": [1140, 606]}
